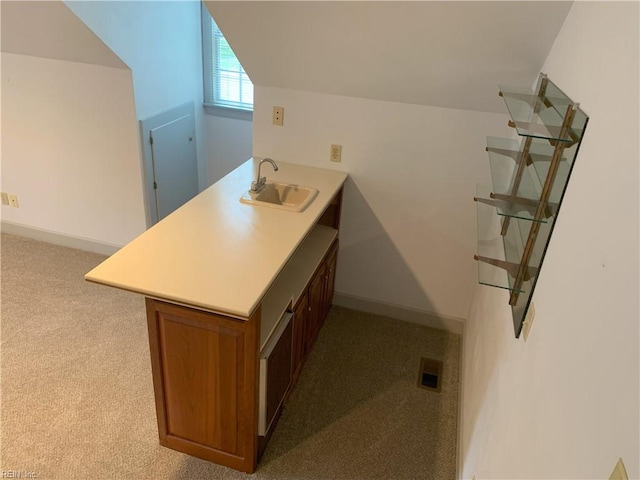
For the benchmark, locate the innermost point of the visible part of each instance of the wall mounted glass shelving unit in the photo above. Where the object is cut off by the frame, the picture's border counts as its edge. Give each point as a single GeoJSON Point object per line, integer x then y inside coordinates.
{"type": "Point", "coordinates": [516, 215]}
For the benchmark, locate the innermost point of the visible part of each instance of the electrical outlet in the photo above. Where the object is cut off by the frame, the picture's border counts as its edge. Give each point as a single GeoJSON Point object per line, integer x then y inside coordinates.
{"type": "Point", "coordinates": [5, 198]}
{"type": "Point", "coordinates": [528, 321]}
{"type": "Point", "coordinates": [13, 200]}
{"type": "Point", "coordinates": [278, 116]}
{"type": "Point", "coordinates": [336, 153]}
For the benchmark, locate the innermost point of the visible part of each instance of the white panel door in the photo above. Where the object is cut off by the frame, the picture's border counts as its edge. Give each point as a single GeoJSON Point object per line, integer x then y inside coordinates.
{"type": "Point", "coordinates": [172, 169]}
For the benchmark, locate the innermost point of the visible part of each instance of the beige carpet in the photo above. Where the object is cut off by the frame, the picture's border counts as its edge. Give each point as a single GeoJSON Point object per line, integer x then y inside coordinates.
{"type": "Point", "coordinates": [77, 394]}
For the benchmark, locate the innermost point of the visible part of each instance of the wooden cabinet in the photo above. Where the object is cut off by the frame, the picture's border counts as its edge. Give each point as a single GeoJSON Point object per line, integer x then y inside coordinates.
{"type": "Point", "coordinates": [313, 307]}
{"type": "Point", "coordinates": [204, 369]}
{"type": "Point", "coordinates": [209, 369]}
{"type": "Point", "coordinates": [289, 346]}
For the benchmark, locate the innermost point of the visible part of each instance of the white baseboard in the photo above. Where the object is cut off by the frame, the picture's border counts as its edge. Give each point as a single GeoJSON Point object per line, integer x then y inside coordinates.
{"type": "Point", "coordinates": [407, 314]}
{"type": "Point", "coordinates": [57, 238]}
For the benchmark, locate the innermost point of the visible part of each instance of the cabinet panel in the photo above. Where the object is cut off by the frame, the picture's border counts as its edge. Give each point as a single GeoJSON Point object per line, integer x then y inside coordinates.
{"type": "Point", "coordinates": [300, 317]}
{"type": "Point", "coordinates": [316, 306]}
{"type": "Point", "coordinates": [332, 260]}
{"type": "Point", "coordinates": [278, 373]}
{"type": "Point", "coordinates": [201, 397]}
{"type": "Point", "coordinates": [205, 381]}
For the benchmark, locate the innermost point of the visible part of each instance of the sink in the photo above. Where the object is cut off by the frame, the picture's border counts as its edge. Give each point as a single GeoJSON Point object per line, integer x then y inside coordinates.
{"type": "Point", "coordinates": [284, 196]}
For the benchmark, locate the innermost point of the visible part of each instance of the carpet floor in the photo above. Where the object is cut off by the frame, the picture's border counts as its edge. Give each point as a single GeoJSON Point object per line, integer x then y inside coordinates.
{"type": "Point", "coordinates": [77, 395]}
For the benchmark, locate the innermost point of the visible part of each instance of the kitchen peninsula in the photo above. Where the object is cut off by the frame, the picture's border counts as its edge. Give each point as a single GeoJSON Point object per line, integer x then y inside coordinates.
{"type": "Point", "coordinates": [220, 279]}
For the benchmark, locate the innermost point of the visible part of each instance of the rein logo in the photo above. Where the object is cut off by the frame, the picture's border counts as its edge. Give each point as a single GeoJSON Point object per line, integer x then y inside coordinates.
{"type": "Point", "coordinates": [18, 474]}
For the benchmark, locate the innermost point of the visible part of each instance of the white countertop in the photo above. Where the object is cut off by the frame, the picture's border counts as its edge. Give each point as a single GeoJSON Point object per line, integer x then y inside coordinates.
{"type": "Point", "coordinates": [216, 253]}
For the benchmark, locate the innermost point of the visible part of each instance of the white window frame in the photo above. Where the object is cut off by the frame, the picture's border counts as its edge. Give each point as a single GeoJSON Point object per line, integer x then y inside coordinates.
{"type": "Point", "coordinates": [212, 104]}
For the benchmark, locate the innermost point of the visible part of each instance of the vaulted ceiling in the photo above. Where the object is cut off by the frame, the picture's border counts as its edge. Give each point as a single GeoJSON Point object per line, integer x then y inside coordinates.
{"type": "Point", "coordinates": [441, 53]}
{"type": "Point", "coordinates": [48, 29]}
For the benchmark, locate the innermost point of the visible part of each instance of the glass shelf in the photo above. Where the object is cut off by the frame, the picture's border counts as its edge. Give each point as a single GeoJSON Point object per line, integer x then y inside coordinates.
{"type": "Point", "coordinates": [542, 118]}
{"type": "Point", "coordinates": [521, 203]}
{"type": "Point", "coordinates": [513, 243]}
{"type": "Point", "coordinates": [540, 152]}
{"type": "Point", "coordinates": [504, 156]}
{"type": "Point", "coordinates": [505, 250]}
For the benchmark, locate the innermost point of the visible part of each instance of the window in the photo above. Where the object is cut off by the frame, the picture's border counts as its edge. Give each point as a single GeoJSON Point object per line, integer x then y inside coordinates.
{"type": "Point", "coordinates": [226, 84]}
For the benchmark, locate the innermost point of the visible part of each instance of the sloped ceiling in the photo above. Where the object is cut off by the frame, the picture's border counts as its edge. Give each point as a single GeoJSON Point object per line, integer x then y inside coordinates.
{"type": "Point", "coordinates": [448, 53]}
{"type": "Point", "coordinates": [48, 29]}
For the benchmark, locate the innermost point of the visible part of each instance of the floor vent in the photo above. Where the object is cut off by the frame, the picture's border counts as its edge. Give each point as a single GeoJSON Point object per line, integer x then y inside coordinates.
{"type": "Point", "coordinates": [430, 375]}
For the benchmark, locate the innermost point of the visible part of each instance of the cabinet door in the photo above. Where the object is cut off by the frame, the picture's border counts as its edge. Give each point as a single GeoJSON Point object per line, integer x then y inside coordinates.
{"type": "Point", "coordinates": [330, 275]}
{"type": "Point", "coordinates": [205, 382]}
{"type": "Point", "coordinates": [278, 374]}
{"type": "Point", "coordinates": [300, 316]}
{"type": "Point", "coordinates": [316, 306]}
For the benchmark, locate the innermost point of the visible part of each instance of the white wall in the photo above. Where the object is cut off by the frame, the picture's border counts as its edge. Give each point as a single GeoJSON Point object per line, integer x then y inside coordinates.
{"type": "Point", "coordinates": [49, 30]}
{"type": "Point", "coordinates": [408, 225]}
{"type": "Point", "coordinates": [565, 404]}
{"type": "Point", "coordinates": [70, 149]}
{"type": "Point", "coordinates": [229, 144]}
{"type": "Point", "coordinates": [161, 43]}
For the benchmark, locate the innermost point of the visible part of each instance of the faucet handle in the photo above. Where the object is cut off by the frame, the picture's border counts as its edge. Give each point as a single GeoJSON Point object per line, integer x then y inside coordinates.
{"type": "Point", "coordinates": [258, 185]}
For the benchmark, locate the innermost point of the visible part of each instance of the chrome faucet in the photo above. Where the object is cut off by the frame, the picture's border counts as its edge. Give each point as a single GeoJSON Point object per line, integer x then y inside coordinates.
{"type": "Point", "coordinates": [260, 181]}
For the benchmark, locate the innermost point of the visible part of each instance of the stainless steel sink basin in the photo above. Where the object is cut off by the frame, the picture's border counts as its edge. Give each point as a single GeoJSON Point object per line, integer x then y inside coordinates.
{"type": "Point", "coordinates": [284, 196]}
